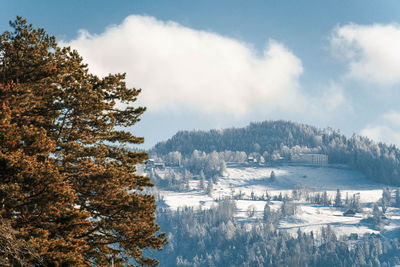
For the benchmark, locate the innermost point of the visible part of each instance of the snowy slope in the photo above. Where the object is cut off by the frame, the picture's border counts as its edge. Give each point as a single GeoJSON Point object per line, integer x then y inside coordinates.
{"type": "Point", "coordinates": [246, 180]}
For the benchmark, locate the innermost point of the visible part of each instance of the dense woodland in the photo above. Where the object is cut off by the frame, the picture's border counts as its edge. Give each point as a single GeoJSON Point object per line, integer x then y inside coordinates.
{"type": "Point", "coordinates": [278, 139]}
{"type": "Point", "coordinates": [213, 238]}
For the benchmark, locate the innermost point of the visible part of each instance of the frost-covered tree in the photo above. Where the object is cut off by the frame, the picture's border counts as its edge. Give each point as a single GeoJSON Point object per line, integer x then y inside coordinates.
{"type": "Point", "coordinates": [272, 176]}
{"type": "Point", "coordinates": [377, 215]}
{"type": "Point", "coordinates": [397, 197]}
{"type": "Point", "coordinates": [267, 211]}
{"type": "Point", "coordinates": [202, 180]}
{"type": "Point", "coordinates": [210, 188]}
{"type": "Point", "coordinates": [386, 199]}
{"type": "Point", "coordinates": [251, 211]}
{"type": "Point", "coordinates": [338, 199]}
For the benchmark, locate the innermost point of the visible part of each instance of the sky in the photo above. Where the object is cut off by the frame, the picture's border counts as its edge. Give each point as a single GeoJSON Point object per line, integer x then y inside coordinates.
{"type": "Point", "coordinates": [217, 64]}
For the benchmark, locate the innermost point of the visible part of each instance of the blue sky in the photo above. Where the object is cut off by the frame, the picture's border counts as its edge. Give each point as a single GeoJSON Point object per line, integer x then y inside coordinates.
{"type": "Point", "coordinates": [212, 64]}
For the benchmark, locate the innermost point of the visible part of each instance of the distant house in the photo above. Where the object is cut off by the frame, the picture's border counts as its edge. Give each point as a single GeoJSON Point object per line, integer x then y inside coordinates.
{"type": "Point", "coordinates": [151, 164]}
{"type": "Point", "coordinates": [160, 166]}
{"type": "Point", "coordinates": [310, 158]}
{"type": "Point", "coordinates": [373, 235]}
{"type": "Point", "coordinates": [349, 212]}
{"type": "Point", "coordinates": [252, 160]}
{"type": "Point", "coordinates": [353, 236]}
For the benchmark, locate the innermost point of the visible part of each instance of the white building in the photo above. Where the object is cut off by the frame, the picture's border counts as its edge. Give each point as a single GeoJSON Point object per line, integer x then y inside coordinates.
{"type": "Point", "coordinates": [317, 159]}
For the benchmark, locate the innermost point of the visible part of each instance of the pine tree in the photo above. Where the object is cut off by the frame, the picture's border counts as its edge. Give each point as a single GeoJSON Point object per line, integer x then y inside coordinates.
{"type": "Point", "coordinates": [267, 211]}
{"type": "Point", "coordinates": [338, 199]}
{"type": "Point", "coordinates": [272, 176]}
{"type": "Point", "coordinates": [67, 182]}
{"type": "Point", "coordinates": [251, 211]}
{"type": "Point", "coordinates": [377, 216]}
{"type": "Point", "coordinates": [325, 199]}
{"type": "Point", "coordinates": [386, 199]}
{"type": "Point", "coordinates": [202, 180]}
{"type": "Point", "coordinates": [210, 188]}
{"type": "Point", "coordinates": [355, 203]}
{"type": "Point", "coordinates": [397, 197]}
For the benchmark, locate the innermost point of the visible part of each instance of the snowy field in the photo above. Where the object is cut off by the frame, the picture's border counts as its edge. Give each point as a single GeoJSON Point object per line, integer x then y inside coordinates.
{"type": "Point", "coordinates": [254, 180]}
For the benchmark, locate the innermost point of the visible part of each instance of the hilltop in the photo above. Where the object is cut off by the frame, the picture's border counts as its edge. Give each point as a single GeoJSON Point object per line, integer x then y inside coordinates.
{"type": "Point", "coordinates": [275, 139]}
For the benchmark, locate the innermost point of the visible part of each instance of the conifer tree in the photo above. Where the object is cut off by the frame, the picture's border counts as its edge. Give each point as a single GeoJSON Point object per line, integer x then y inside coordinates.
{"type": "Point", "coordinates": [202, 180]}
{"type": "Point", "coordinates": [210, 188]}
{"type": "Point", "coordinates": [267, 211]}
{"type": "Point", "coordinates": [397, 197]}
{"type": "Point", "coordinates": [67, 180]}
{"type": "Point", "coordinates": [272, 176]}
{"type": "Point", "coordinates": [338, 199]}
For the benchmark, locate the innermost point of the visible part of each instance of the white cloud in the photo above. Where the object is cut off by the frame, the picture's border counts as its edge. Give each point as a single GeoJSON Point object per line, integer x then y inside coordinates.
{"type": "Point", "coordinates": [387, 130]}
{"type": "Point", "coordinates": [371, 51]}
{"type": "Point", "coordinates": [331, 104]}
{"type": "Point", "coordinates": [393, 117]}
{"type": "Point", "coordinates": [182, 68]}
{"type": "Point", "coordinates": [333, 98]}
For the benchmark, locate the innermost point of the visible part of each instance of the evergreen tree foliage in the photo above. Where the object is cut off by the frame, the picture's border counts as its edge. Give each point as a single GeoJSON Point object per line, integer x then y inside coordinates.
{"type": "Point", "coordinates": [67, 182]}
{"type": "Point", "coordinates": [354, 203]}
{"type": "Point", "coordinates": [266, 213]}
{"type": "Point", "coordinates": [377, 216]}
{"type": "Point", "coordinates": [397, 197]}
{"type": "Point", "coordinates": [338, 199]}
{"type": "Point", "coordinates": [325, 199]}
{"type": "Point", "coordinates": [386, 199]}
{"type": "Point", "coordinates": [210, 188]}
{"type": "Point", "coordinates": [202, 180]}
{"type": "Point", "coordinates": [272, 176]}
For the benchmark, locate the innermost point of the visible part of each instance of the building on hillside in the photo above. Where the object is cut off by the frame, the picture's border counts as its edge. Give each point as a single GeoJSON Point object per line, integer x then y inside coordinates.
{"type": "Point", "coordinates": [309, 158]}
{"type": "Point", "coordinates": [151, 164]}
{"type": "Point", "coordinates": [160, 166]}
{"type": "Point", "coordinates": [252, 160]}
{"type": "Point", "coordinates": [349, 213]}
{"type": "Point", "coordinates": [353, 236]}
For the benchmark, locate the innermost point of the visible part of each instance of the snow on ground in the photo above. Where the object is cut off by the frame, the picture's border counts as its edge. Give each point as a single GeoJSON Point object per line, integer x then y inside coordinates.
{"type": "Point", "coordinates": [314, 177]}
{"type": "Point", "coordinates": [255, 180]}
{"type": "Point", "coordinates": [312, 218]}
{"type": "Point", "coordinates": [192, 199]}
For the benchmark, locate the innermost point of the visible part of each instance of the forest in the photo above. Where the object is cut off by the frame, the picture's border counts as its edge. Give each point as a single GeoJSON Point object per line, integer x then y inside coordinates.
{"type": "Point", "coordinates": [213, 238]}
